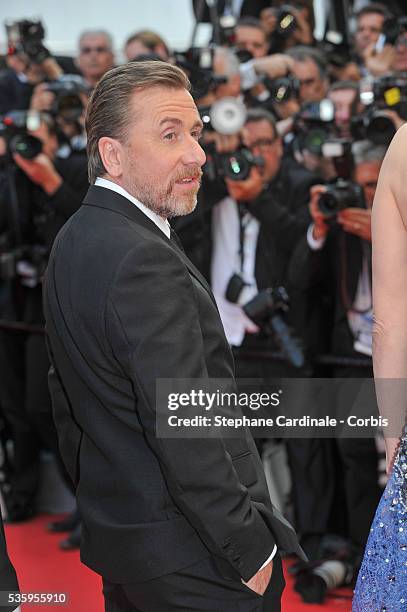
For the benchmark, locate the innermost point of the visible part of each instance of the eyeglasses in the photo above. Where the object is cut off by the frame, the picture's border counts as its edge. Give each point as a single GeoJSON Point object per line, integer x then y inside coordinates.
{"type": "Point", "coordinates": [307, 82]}
{"type": "Point", "coordinates": [87, 50]}
{"type": "Point", "coordinates": [263, 144]}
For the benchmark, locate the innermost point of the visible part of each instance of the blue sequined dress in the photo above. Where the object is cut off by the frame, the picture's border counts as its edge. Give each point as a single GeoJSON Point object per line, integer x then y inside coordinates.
{"type": "Point", "coordinates": [382, 580]}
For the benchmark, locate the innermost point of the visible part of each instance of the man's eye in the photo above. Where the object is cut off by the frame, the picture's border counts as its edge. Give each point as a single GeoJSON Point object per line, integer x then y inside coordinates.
{"type": "Point", "coordinates": [170, 136]}
{"type": "Point", "coordinates": [197, 135]}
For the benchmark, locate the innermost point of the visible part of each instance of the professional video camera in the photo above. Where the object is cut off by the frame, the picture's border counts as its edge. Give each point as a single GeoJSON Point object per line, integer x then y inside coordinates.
{"type": "Point", "coordinates": [26, 37]}
{"type": "Point", "coordinates": [342, 192]}
{"type": "Point", "coordinates": [14, 128]}
{"type": "Point", "coordinates": [388, 92]}
{"type": "Point", "coordinates": [198, 63]}
{"type": "Point", "coordinates": [265, 310]}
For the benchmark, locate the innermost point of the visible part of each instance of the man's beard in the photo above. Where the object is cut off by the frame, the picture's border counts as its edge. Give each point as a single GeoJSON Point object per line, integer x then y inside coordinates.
{"type": "Point", "coordinates": [163, 201]}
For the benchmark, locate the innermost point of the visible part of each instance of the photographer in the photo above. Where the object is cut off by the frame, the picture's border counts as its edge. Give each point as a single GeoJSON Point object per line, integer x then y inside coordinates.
{"type": "Point", "coordinates": [66, 100]}
{"type": "Point", "coordinates": [254, 230]}
{"type": "Point", "coordinates": [43, 192]}
{"type": "Point", "coordinates": [309, 67]}
{"type": "Point", "coordinates": [369, 26]}
{"type": "Point", "coordinates": [289, 24]}
{"type": "Point", "coordinates": [332, 266]}
{"type": "Point", "coordinates": [251, 36]}
{"type": "Point", "coordinates": [29, 63]}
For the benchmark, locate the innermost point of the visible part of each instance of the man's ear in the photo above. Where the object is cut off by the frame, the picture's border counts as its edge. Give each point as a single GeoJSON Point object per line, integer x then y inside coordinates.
{"type": "Point", "coordinates": [111, 153]}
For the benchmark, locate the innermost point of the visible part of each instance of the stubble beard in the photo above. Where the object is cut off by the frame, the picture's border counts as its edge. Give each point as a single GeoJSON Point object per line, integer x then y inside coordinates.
{"type": "Point", "coordinates": [164, 202]}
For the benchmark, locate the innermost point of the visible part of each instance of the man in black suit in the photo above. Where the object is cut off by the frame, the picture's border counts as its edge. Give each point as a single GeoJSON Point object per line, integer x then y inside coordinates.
{"type": "Point", "coordinates": [168, 523]}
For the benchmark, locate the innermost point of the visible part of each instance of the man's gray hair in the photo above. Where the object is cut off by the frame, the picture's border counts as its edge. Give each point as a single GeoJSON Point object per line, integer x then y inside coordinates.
{"type": "Point", "coordinates": [302, 53]}
{"type": "Point", "coordinates": [104, 33]}
{"type": "Point", "coordinates": [229, 60]}
{"type": "Point", "coordinates": [109, 109]}
{"type": "Point", "coordinates": [364, 151]}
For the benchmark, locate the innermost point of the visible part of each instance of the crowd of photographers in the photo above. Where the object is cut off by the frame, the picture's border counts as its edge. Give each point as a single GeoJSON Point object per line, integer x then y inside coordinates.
{"type": "Point", "coordinates": [295, 133]}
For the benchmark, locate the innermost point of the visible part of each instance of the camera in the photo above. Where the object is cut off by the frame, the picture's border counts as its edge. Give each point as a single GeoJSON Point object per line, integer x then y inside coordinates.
{"type": "Point", "coordinates": [388, 92]}
{"type": "Point", "coordinates": [314, 125]}
{"type": "Point", "coordinates": [282, 89]}
{"type": "Point", "coordinates": [340, 195]}
{"type": "Point", "coordinates": [226, 116]}
{"type": "Point", "coordinates": [198, 64]}
{"type": "Point", "coordinates": [68, 104]}
{"type": "Point", "coordinates": [15, 127]}
{"type": "Point", "coordinates": [286, 22]}
{"type": "Point", "coordinates": [26, 36]}
{"type": "Point", "coordinates": [265, 310]}
{"type": "Point", "coordinates": [235, 165]}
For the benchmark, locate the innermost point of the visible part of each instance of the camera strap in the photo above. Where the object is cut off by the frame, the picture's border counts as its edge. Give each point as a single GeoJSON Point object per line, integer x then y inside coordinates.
{"type": "Point", "coordinates": [243, 223]}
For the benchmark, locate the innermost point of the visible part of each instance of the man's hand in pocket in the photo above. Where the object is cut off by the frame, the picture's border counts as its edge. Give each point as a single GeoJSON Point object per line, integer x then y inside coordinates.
{"type": "Point", "coordinates": [260, 581]}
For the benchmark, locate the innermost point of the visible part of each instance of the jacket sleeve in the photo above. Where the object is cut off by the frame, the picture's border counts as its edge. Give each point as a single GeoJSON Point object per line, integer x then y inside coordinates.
{"type": "Point", "coordinates": [152, 323]}
{"type": "Point", "coordinates": [285, 226]}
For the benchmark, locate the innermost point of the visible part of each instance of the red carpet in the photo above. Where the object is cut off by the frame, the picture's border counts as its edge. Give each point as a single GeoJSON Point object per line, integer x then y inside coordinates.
{"type": "Point", "coordinates": [42, 567]}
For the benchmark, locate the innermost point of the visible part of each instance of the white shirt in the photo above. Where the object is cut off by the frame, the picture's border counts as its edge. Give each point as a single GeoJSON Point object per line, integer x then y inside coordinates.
{"type": "Point", "coordinates": [225, 262]}
{"type": "Point", "coordinates": [159, 221]}
{"type": "Point", "coordinates": [166, 229]}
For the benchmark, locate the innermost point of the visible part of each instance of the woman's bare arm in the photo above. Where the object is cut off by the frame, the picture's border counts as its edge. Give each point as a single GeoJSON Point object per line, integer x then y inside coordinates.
{"type": "Point", "coordinates": [389, 237]}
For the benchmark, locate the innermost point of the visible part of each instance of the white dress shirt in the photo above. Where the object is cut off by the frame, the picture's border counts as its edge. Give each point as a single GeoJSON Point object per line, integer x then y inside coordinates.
{"type": "Point", "coordinates": [159, 221]}
{"type": "Point", "coordinates": [225, 262]}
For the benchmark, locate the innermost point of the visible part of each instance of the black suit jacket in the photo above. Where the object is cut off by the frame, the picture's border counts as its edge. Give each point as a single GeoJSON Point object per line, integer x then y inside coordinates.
{"type": "Point", "coordinates": [124, 306]}
{"type": "Point", "coordinates": [330, 277]}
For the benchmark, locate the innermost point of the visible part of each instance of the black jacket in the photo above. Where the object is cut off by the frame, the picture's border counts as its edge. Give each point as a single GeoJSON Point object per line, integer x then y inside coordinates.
{"type": "Point", "coordinates": [39, 218]}
{"type": "Point", "coordinates": [329, 277]}
{"type": "Point", "coordinates": [14, 94]}
{"type": "Point", "coordinates": [125, 307]}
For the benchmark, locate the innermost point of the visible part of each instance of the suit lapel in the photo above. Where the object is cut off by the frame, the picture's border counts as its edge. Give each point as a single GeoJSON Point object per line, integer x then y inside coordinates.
{"type": "Point", "coordinates": [106, 198]}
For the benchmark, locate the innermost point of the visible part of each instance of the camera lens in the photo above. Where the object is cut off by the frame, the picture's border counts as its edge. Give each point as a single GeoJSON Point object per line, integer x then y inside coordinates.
{"type": "Point", "coordinates": [328, 204]}
{"type": "Point", "coordinates": [380, 129]}
{"type": "Point", "coordinates": [25, 145]}
{"type": "Point", "coordinates": [235, 166]}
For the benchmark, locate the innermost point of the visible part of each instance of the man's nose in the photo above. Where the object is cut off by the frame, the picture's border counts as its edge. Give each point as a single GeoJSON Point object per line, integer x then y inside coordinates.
{"type": "Point", "coordinates": [193, 154]}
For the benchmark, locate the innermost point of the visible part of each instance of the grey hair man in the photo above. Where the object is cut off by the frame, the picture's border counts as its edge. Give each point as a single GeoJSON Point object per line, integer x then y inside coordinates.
{"type": "Point", "coordinates": [95, 56]}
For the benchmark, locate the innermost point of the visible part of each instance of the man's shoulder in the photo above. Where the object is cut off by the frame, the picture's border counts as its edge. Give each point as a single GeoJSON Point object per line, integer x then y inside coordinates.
{"type": "Point", "coordinates": [107, 237]}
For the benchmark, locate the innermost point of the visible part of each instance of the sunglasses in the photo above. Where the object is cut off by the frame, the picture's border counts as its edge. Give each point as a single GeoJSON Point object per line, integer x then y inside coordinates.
{"type": "Point", "coordinates": [87, 50]}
